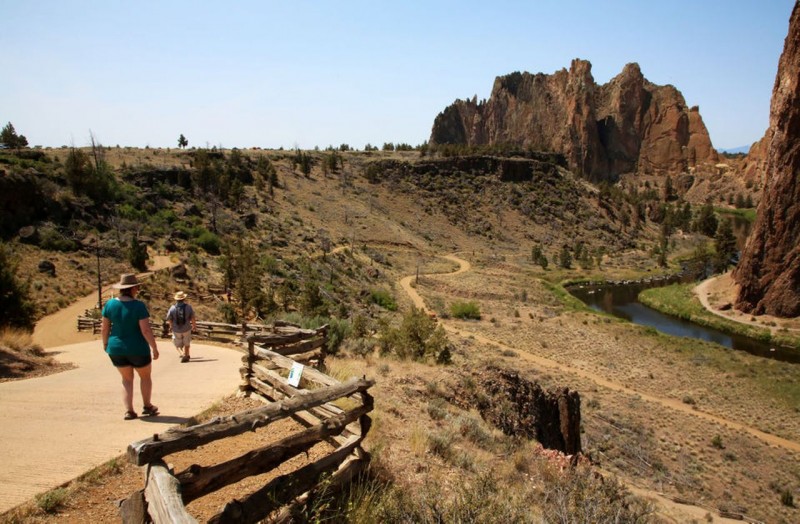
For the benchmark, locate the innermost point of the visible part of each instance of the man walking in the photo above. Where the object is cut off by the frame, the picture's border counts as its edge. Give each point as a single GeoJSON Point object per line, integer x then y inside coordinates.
{"type": "Point", "coordinates": [182, 322]}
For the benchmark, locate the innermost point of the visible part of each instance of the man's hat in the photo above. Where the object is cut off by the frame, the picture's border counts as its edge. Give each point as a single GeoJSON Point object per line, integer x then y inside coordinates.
{"type": "Point", "coordinates": [180, 295]}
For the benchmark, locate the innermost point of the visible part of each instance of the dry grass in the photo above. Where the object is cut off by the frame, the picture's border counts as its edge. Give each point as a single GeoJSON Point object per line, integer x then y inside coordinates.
{"type": "Point", "coordinates": [615, 366]}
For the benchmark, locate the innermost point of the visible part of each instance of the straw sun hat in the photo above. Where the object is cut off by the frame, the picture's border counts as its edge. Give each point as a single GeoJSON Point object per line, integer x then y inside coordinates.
{"type": "Point", "coordinates": [180, 295]}
{"type": "Point", "coordinates": [126, 280]}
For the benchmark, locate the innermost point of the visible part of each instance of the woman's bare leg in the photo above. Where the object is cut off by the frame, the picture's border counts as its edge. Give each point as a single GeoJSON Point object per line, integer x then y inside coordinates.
{"type": "Point", "coordinates": [145, 383]}
{"type": "Point", "coordinates": [127, 386]}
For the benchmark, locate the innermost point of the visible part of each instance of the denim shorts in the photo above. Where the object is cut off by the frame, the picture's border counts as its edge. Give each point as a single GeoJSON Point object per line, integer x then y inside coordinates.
{"type": "Point", "coordinates": [137, 361]}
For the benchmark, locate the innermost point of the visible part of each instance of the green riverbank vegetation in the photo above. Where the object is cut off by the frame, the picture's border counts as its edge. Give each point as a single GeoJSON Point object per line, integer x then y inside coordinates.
{"type": "Point", "coordinates": [679, 301]}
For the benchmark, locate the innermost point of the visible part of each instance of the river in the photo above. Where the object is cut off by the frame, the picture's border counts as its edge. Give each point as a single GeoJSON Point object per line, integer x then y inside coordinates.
{"type": "Point", "coordinates": [621, 300]}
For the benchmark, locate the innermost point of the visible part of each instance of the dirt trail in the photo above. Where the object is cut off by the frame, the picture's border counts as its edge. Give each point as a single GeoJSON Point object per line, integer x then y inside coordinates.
{"type": "Point", "coordinates": [406, 282]}
{"type": "Point", "coordinates": [668, 508]}
{"type": "Point", "coordinates": [722, 291]}
{"type": "Point", "coordinates": [547, 363]}
{"type": "Point", "coordinates": [60, 328]}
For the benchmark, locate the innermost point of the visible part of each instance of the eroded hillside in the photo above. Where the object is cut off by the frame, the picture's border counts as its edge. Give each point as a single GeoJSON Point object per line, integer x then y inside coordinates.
{"type": "Point", "coordinates": [340, 235]}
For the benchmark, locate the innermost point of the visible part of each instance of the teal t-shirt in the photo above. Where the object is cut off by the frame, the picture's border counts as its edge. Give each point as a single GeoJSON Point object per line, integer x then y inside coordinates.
{"type": "Point", "coordinates": [126, 337]}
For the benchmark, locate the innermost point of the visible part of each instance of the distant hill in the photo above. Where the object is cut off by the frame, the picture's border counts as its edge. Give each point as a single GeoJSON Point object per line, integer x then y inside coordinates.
{"type": "Point", "coordinates": [736, 150]}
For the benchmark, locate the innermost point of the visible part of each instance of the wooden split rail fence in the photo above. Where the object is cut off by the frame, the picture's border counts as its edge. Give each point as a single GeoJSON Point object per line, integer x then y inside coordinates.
{"type": "Point", "coordinates": [265, 372]}
{"type": "Point", "coordinates": [210, 330]}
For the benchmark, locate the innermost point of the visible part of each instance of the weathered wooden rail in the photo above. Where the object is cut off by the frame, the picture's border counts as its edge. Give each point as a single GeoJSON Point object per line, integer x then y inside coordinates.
{"type": "Point", "coordinates": [266, 366]}
{"type": "Point", "coordinates": [209, 330]}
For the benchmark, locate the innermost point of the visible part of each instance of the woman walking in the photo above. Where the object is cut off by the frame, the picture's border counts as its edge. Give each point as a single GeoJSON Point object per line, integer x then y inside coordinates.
{"type": "Point", "coordinates": [128, 340]}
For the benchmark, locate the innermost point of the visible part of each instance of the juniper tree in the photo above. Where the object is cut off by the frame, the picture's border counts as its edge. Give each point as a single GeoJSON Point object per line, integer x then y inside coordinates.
{"type": "Point", "coordinates": [15, 301]}
{"type": "Point", "coordinates": [242, 269]}
{"type": "Point", "coordinates": [725, 246]}
{"type": "Point", "coordinates": [536, 253]}
{"type": "Point", "coordinates": [137, 254]}
{"type": "Point", "coordinates": [706, 222]}
{"type": "Point", "coordinates": [565, 258]}
{"type": "Point", "coordinates": [10, 138]}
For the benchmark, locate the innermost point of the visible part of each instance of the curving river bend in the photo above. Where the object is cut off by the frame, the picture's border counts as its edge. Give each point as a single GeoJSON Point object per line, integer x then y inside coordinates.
{"type": "Point", "coordinates": [622, 301]}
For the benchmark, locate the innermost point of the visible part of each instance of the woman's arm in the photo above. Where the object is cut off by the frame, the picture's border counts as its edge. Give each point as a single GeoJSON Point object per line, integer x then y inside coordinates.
{"type": "Point", "coordinates": [144, 325]}
{"type": "Point", "coordinates": [105, 331]}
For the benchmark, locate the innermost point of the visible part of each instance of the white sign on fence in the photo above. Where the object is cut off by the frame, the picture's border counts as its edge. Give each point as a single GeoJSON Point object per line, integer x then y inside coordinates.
{"type": "Point", "coordinates": [294, 374]}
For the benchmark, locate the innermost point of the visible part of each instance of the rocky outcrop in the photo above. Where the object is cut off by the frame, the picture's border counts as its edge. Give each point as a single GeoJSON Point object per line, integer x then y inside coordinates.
{"type": "Point", "coordinates": [754, 167]}
{"type": "Point", "coordinates": [46, 266]}
{"type": "Point", "coordinates": [508, 169]}
{"type": "Point", "coordinates": [769, 270]}
{"type": "Point", "coordinates": [522, 408]}
{"type": "Point", "coordinates": [627, 125]}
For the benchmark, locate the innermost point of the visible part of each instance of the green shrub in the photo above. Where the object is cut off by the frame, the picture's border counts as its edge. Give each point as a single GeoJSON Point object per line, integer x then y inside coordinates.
{"type": "Point", "coordinates": [228, 313]}
{"type": "Point", "coordinates": [359, 325]}
{"type": "Point", "coordinates": [465, 310]}
{"type": "Point", "coordinates": [359, 347]}
{"type": "Point", "coordinates": [787, 499]}
{"type": "Point", "coordinates": [437, 409]}
{"type": "Point", "coordinates": [52, 240]}
{"type": "Point", "coordinates": [338, 331]}
{"type": "Point", "coordinates": [51, 501]}
{"type": "Point", "coordinates": [441, 444]}
{"type": "Point", "coordinates": [474, 431]}
{"type": "Point", "coordinates": [209, 242]}
{"type": "Point", "coordinates": [418, 337]}
{"type": "Point", "coordinates": [129, 212]}
{"type": "Point", "coordinates": [383, 298]}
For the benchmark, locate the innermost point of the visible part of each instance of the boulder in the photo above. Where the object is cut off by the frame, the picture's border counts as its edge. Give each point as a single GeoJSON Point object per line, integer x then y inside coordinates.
{"type": "Point", "coordinates": [27, 234]}
{"type": "Point", "coordinates": [180, 272]}
{"type": "Point", "coordinates": [46, 266]}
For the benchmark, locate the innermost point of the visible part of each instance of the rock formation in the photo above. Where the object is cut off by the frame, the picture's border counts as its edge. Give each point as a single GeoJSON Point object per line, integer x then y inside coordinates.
{"type": "Point", "coordinates": [754, 166]}
{"type": "Point", "coordinates": [627, 125]}
{"type": "Point", "coordinates": [520, 407]}
{"type": "Point", "coordinates": [769, 271]}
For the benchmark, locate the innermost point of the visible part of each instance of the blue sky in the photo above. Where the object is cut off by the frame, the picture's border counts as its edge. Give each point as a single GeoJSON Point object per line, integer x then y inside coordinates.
{"type": "Point", "coordinates": [307, 74]}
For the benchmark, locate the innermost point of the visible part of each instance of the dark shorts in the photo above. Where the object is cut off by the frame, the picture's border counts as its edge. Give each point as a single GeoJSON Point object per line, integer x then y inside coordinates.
{"type": "Point", "coordinates": [124, 361]}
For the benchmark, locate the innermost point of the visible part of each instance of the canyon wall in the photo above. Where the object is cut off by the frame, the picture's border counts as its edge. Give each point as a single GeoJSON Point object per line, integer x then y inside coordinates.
{"type": "Point", "coordinates": [769, 271]}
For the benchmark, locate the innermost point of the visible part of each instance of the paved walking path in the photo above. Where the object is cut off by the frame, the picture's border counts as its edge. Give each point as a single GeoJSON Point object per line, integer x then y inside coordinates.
{"type": "Point", "coordinates": [55, 428]}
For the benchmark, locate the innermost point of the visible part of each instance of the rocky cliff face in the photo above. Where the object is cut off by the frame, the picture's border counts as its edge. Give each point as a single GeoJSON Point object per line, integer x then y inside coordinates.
{"type": "Point", "coordinates": [627, 125]}
{"type": "Point", "coordinates": [522, 408]}
{"type": "Point", "coordinates": [754, 167]}
{"type": "Point", "coordinates": [769, 271]}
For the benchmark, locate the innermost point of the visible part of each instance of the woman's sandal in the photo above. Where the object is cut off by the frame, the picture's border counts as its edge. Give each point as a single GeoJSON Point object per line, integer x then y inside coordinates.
{"type": "Point", "coordinates": [149, 411]}
{"type": "Point", "coordinates": [130, 415]}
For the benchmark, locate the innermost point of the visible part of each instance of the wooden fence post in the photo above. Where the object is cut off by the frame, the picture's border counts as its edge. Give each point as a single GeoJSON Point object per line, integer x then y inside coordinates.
{"type": "Point", "coordinates": [245, 387]}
